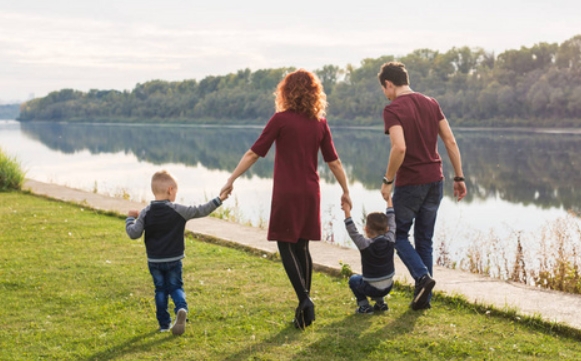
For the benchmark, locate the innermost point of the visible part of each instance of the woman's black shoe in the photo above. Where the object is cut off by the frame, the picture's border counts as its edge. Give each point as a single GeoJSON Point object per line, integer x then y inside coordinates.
{"type": "Point", "coordinates": [304, 314]}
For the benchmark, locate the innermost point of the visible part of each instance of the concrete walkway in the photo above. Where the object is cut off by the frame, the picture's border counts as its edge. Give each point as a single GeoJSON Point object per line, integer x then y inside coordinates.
{"type": "Point", "coordinates": [550, 305]}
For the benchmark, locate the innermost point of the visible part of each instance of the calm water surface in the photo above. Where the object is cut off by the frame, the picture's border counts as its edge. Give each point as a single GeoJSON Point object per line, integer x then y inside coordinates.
{"type": "Point", "coordinates": [520, 182]}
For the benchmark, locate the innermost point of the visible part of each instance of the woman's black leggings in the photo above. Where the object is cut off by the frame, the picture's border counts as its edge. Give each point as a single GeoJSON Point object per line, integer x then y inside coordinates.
{"type": "Point", "coordinates": [298, 265]}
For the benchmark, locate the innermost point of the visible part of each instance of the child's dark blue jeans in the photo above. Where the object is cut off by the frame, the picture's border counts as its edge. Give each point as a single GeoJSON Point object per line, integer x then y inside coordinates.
{"type": "Point", "coordinates": [167, 278]}
{"type": "Point", "coordinates": [361, 289]}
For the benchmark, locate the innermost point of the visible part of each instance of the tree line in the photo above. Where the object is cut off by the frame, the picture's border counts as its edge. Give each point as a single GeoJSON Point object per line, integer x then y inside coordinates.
{"type": "Point", "coordinates": [536, 86]}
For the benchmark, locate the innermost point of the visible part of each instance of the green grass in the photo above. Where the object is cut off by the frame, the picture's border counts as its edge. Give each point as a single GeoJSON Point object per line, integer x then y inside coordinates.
{"type": "Point", "coordinates": [11, 173]}
{"type": "Point", "coordinates": [74, 287]}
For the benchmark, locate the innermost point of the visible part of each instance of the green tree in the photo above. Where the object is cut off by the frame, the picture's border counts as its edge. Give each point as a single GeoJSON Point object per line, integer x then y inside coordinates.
{"type": "Point", "coordinates": [329, 76]}
{"type": "Point", "coordinates": [534, 86]}
{"type": "Point", "coordinates": [569, 53]}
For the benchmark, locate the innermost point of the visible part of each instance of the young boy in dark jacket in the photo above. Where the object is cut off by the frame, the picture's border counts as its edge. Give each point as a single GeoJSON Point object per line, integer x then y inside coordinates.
{"type": "Point", "coordinates": [377, 250]}
{"type": "Point", "coordinates": [163, 222]}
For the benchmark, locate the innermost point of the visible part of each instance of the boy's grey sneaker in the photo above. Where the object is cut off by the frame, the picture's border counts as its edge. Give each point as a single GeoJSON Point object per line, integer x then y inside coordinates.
{"type": "Point", "coordinates": [164, 328]}
{"type": "Point", "coordinates": [380, 307]}
{"type": "Point", "coordinates": [422, 293]}
{"type": "Point", "coordinates": [180, 326]}
{"type": "Point", "coordinates": [365, 309]}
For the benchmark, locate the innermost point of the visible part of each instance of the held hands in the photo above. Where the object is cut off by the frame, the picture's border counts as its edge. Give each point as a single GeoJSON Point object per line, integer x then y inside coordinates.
{"type": "Point", "coordinates": [133, 213]}
{"type": "Point", "coordinates": [346, 198]}
{"type": "Point", "coordinates": [386, 192]}
{"type": "Point", "coordinates": [226, 191]}
{"type": "Point", "coordinates": [346, 207]}
{"type": "Point", "coordinates": [389, 201]}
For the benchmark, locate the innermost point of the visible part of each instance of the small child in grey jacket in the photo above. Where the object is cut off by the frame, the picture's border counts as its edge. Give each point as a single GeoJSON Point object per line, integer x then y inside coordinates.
{"type": "Point", "coordinates": [377, 263]}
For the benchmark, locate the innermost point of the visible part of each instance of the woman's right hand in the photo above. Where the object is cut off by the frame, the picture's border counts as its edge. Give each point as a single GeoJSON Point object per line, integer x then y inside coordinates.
{"type": "Point", "coordinates": [346, 198]}
{"type": "Point", "coordinates": [227, 188]}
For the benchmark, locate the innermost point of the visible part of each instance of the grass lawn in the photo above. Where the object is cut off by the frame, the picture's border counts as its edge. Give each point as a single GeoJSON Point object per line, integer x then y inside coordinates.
{"type": "Point", "coordinates": [73, 286]}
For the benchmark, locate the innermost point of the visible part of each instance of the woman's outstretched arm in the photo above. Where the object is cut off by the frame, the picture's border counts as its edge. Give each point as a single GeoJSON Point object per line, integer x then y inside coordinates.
{"type": "Point", "coordinates": [247, 160]}
{"type": "Point", "coordinates": [337, 168]}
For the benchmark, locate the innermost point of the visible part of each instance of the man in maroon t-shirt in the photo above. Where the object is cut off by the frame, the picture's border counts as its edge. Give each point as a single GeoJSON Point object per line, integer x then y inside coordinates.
{"type": "Point", "coordinates": [414, 122]}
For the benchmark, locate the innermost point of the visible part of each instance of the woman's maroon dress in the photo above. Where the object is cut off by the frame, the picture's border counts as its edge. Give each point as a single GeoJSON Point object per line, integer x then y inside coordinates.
{"type": "Point", "coordinates": [295, 209]}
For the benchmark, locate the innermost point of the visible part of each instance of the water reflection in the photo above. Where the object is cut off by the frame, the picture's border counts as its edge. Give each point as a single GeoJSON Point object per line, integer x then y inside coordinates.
{"type": "Point", "coordinates": [216, 148]}
{"type": "Point", "coordinates": [543, 169]}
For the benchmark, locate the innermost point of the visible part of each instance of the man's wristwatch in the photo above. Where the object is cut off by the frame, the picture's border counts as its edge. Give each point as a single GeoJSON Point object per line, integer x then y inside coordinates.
{"type": "Point", "coordinates": [387, 181]}
{"type": "Point", "coordinates": [458, 179]}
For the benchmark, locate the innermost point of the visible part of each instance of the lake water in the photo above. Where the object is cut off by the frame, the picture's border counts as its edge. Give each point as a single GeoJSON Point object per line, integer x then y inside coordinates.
{"type": "Point", "coordinates": [520, 183]}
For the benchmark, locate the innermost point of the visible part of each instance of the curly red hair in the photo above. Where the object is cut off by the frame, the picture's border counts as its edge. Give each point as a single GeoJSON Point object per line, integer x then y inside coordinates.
{"type": "Point", "coordinates": [301, 91]}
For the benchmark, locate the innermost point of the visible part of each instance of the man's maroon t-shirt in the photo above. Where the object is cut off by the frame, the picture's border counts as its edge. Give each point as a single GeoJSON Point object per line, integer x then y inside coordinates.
{"type": "Point", "coordinates": [420, 117]}
{"type": "Point", "coordinates": [295, 208]}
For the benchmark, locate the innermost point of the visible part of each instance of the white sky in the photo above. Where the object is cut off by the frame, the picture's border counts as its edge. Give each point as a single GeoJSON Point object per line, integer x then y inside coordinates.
{"type": "Point", "coordinates": [48, 45]}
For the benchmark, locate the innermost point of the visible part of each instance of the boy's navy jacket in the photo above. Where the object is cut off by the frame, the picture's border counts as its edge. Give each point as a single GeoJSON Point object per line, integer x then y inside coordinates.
{"type": "Point", "coordinates": [377, 253]}
{"type": "Point", "coordinates": [164, 224]}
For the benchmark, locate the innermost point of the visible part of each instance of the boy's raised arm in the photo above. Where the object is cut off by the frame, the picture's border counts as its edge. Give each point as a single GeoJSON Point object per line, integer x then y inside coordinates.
{"type": "Point", "coordinates": [134, 225]}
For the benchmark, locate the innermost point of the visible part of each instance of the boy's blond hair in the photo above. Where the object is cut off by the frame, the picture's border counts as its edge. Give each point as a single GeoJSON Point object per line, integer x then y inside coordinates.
{"type": "Point", "coordinates": [161, 181]}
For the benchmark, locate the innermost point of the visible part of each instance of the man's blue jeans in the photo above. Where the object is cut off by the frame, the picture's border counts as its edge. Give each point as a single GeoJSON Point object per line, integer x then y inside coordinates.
{"type": "Point", "coordinates": [167, 278]}
{"type": "Point", "coordinates": [417, 205]}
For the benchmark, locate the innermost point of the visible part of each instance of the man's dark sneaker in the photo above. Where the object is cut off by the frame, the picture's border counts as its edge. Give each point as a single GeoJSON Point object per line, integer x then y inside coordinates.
{"type": "Point", "coordinates": [425, 306]}
{"type": "Point", "coordinates": [380, 307]}
{"type": "Point", "coordinates": [365, 309]}
{"type": "Point", "coordinates": [422, 293]}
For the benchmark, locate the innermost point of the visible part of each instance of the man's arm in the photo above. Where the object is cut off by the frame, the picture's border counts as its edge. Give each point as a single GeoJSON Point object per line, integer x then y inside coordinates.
{"type": "Point", "coordinates": [396, 157]}
{"type": "Point", "coordinates": [454, 154]}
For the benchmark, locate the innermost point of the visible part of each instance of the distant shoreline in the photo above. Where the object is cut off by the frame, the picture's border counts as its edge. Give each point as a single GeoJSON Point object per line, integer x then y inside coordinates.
{"type": "Point", "coordinates": [548, 130]}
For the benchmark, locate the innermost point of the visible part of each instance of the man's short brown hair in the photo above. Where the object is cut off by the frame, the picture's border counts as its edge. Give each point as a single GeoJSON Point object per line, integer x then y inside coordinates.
{"type": "Point", "coordinates": [395, 72]}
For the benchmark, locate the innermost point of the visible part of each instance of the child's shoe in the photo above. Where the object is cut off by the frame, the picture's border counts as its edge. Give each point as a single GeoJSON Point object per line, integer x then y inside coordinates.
{"type": "Point", "coordinates": [180, 326]}
{"type": "Point", "coordinates": [364, 309]}
{"type": "Point", "coordinates": [164, 328]}
{"type": "Point", "coordinates": [380, 307]}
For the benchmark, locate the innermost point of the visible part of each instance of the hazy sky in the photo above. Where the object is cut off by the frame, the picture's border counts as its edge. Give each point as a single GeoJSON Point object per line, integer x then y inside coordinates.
{"type": "Point", "coordinates": [48, 45]}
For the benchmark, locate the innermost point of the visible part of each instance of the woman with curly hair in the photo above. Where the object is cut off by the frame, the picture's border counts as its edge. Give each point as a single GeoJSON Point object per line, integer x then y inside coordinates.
{"type": "Point", "coordinates": [299, 129]}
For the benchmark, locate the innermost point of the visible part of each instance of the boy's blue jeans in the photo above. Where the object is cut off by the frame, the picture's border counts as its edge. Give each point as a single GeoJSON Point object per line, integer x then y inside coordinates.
{"type": "Point", "coordinates": [417, 205]}
{"type": "Point", "coordinates": [362, 289]}
{"type": "Point", "coordinates": [167, 278]}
